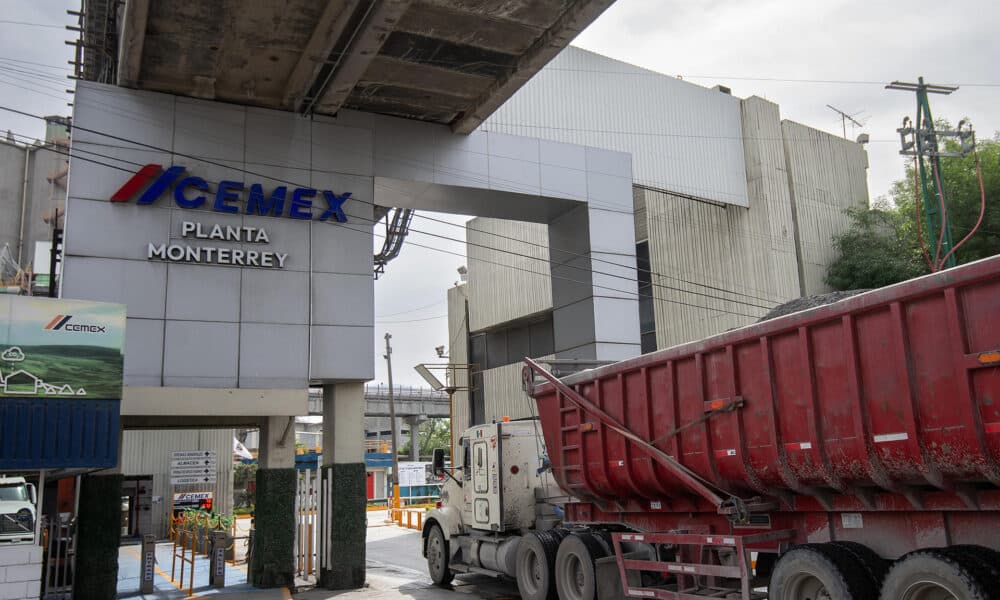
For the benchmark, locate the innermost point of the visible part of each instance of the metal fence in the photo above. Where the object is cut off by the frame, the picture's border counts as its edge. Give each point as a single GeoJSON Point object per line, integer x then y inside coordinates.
{"type": "Point", "coordinates": [307, 520]}
{"type": "Point", "coordinates": [59, 542]}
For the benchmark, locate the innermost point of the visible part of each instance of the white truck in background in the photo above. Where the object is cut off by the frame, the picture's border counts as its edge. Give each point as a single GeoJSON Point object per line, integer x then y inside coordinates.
{"type": "Point", "coordinates": [500, 515]}
{"type": "Point", "coordinates": [17, 510]}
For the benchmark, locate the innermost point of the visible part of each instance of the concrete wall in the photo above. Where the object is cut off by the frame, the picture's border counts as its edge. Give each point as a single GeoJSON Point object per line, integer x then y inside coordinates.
{"type": "Point", "coordinates": [826, 175]}
{"type": "Point", "coordinates": [147, 452]}
{"type": "Point", "coordinates": [20, 572]}
{"type": "Point", "coordinates": [458, 353]}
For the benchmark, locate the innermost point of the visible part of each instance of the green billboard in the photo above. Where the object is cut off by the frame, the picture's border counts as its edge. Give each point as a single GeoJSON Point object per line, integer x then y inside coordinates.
{"type": "Point", "coordinates": [60, 348]}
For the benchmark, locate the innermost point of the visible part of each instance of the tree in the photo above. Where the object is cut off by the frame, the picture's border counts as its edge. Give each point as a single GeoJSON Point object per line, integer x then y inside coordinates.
{"type": "Point", "coordinates": [882, 247]}
{"type": "Point", "coordinates": [431, 434]}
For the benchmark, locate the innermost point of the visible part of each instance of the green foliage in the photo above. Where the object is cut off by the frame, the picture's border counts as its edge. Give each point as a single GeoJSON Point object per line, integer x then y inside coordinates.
{"type": "Point", "coordinates": [193, 518]}
{"type": "Point", "coordinates": [431, 434]}
{"type": "Point", "coordinates": [882, 246]}
{"type": "Point", "coordinates": [879, 249]}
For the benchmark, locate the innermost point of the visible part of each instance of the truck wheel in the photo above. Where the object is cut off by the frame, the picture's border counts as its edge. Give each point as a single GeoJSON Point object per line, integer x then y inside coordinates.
{"type": "Point", "coordinates": [576, 571]}
{"type": "Point", "coordinates": [437, 557]}
{"type": "Point", "coordinates": [873, 564]}
{"type": "Point", "coordinates": [819, 572]}
{"type": "Point", "coordinates": [934, 575]}
{"type": "Point", "coordinates": [536, 560]}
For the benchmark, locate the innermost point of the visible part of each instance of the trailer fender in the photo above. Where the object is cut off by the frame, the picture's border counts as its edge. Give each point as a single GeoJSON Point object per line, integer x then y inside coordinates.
{"type": "Point", "coordinates": [448, 518]}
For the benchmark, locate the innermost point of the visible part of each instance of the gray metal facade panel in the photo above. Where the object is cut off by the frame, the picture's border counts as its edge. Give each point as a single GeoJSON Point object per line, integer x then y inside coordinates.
{"type": "Point", "coordinates": [504, 286]}
{"type": "Point", "coordinates": [683, 137]}
{"type": "Point", "coordinates": [147, 452]}
{"type": "Point", "coordinates": [829, 175]}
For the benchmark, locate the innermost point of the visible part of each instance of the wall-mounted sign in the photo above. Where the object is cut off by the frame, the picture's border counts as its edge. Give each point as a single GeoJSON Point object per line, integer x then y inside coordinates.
{"type": "Point", "coordinates": [190, 192]}
{"type": "Point", "coordinates": [192, 499]}
{"type": "Point", "coordinates": [217, 255]}
{"type": "Point", "coordinates": [193, 466]}
{"type": "Point", "coordinates": [61, 348]}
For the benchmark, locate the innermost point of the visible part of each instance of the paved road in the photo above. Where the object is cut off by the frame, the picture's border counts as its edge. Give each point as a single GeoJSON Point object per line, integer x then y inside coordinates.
{"type": "Point", "coordinates": [396, 569]}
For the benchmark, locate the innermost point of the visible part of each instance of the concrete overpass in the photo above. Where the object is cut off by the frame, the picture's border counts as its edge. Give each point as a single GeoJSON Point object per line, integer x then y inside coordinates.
{"type": "Point", "coordinates": [447, 61]}
{"type": "Point", "coordinates": [410, 402]}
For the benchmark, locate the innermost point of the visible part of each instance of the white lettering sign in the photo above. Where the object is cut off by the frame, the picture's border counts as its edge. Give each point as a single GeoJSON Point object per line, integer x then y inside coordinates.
{"type": "Point", "coordinates": [239, 257]}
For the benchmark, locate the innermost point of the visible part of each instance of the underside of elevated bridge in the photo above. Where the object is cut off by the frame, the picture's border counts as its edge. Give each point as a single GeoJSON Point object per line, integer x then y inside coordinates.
{"type": "Point", "coordinates": [445, 61]}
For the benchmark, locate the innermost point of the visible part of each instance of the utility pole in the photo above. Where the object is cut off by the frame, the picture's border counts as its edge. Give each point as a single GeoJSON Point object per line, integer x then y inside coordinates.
{"type": "Point", "coordinates": [844, 118]}
{"type": "Point", "coordinates": [392, 424]}
{"type": "Point", "coordinates": [923, 146]}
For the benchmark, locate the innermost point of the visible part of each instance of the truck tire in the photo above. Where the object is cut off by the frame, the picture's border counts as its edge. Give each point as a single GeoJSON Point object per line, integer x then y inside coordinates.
{"type": "Point", "coordinates": [576, 571]}
{"type": "Point", "coordinates": [819, 572]}
{"type": "Point", "coordinates": [536, 561]}
{"type": "Point", "coordinates": [872, 563]}
{"type": "Point", "coordinates": [438, 556]}
{"type": "Point", "coordinates": [934, 574]}
{"type": "Point", "coordinates": [977, 560]}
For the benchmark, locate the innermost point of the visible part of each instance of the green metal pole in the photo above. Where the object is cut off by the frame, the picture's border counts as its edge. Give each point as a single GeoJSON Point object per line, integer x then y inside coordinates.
{"type": "Point", "coordinates": [936, 220]}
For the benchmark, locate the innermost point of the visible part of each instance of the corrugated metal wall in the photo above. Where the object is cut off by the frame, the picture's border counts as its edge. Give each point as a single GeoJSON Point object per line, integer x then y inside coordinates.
{"type": "Point", "coordinates": [712, 267]}
{"type": "Point", "coordinates": [147, 452]}
{"type": "Point", "coordinates": [503, 394]}
{"type": "Point", "coordinates": [704, 249]}
{"type": "Point", "coordinates": [827, 175]}
{"type": "Point", "coordinates": [682, 137]}
{"type": "Point", "coordinates": [52, 433]}
{"type": "Point", "coordinates": [503, 286]}
{"type": "Point", "coordinates": [458, 351]}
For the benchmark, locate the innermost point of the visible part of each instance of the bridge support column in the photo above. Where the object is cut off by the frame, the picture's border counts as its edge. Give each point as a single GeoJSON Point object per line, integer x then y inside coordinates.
{"type": "Point", "coordinates": [343, 565]}
{"type": "Point", "coordinates": [273, 562]}
{"type": "Point", "coordinates": [414, 438]}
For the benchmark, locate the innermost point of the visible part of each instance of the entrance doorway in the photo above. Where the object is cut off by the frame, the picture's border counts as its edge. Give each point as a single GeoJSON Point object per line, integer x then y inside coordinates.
{"type": "Point", "coordinates": [136, 507]}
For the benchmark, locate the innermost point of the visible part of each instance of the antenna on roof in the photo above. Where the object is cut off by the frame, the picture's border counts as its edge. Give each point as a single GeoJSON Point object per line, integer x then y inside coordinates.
{"type": "Point", "coordinates": [844, 118]}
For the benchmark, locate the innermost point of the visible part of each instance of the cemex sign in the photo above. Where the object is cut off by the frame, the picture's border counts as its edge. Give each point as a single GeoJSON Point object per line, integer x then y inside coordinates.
{"type": "Point", "coordinates": [190, 192]}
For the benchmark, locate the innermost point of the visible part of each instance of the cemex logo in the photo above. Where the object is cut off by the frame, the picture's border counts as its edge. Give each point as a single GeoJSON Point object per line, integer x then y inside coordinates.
{"type": "Point", "coordinates": [61, 322]}
{"type": "Point", "coordinates": [227, 196]}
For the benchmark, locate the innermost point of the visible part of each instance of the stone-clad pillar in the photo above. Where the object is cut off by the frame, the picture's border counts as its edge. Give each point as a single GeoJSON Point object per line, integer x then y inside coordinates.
{"type": "Point", "coordinates": [273, 563]}
{"type": "Point", "coordinates": [343, 565]}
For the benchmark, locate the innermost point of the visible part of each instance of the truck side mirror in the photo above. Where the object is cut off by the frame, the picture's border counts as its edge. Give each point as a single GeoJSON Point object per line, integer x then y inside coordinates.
{"type": "Point", "coordinates": [437, 466]}
{"type": "Point", "coordinates": [32, 495]}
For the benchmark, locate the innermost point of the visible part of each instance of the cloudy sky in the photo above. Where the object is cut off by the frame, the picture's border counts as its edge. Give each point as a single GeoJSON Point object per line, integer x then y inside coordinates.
{"type": "Point", "coordinates": [801, 55]}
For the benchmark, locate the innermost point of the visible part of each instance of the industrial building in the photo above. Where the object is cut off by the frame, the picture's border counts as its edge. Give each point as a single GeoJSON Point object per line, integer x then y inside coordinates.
{"type": "Point", "coordinates": [734, 212]}
{"type": "Point", "coordinates": [32, 202]}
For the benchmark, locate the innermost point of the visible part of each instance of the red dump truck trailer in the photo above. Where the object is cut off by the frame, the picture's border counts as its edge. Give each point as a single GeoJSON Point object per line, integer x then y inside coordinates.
{"type": "Point", "coordinates": [850, 451]}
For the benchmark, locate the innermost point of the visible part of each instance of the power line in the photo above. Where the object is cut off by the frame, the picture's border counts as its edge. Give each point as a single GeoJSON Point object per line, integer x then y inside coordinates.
{"type": "Point", "coordinates": [595, 259]}
{"type": "Point", "coordinates": [74, 153]}
{"type": "Point", "coordinates": [403, 312]}
{"type": "Point", "coordinates": [27, 24]}
{"type": "Point", "coordinates": [585, 269]}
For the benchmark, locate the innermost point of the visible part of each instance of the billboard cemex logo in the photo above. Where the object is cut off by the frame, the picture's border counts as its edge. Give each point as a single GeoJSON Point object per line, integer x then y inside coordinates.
{"type": "Point", "coordinates": [299, 205]}
{"type": "Point", "coordinates": [62, 323]}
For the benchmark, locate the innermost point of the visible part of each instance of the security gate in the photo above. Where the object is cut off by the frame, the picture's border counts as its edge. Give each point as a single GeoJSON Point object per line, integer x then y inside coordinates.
{"type": "Point", "coordinates": [307, 524]}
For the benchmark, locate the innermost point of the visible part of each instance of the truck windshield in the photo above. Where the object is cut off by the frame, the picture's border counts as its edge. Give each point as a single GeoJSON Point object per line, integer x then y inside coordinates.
{"type": "Point", "coordinates": [13, 493]}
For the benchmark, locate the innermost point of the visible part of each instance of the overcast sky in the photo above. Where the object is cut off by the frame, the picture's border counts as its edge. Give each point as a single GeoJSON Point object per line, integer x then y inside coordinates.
{"type": "Point", "coordinates": [742, 44]}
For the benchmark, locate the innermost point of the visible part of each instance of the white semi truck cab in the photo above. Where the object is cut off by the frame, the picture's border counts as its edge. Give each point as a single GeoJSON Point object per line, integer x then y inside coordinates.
{"type": "Point", "coordinates": [17, 510]}
{"type": "Point", "coordinates": [499, 511]}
